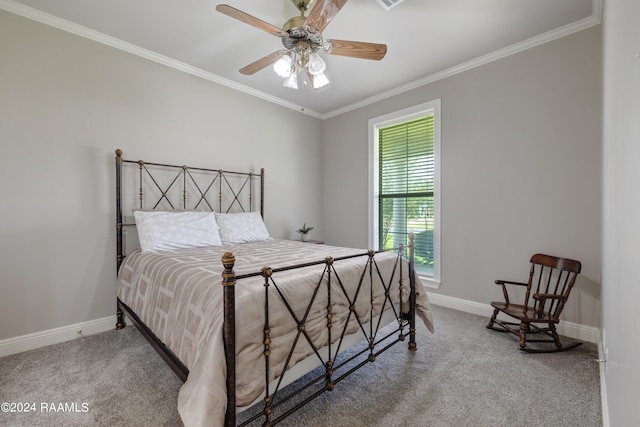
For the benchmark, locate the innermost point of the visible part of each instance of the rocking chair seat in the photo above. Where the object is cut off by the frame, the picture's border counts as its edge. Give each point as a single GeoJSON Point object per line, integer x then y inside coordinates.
{"type": "Point", "coordinates": [523, 313]}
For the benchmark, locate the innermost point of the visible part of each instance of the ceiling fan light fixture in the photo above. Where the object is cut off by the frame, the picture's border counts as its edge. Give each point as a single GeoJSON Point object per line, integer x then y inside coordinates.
{"type": "Point", "coordinates": [320, 81]}
{"type": "Point", "coordinates": [316, 64]}
{"type": "Point", "coordinates": [291, 82]}
{"type": "Point", "coordinates": [302, 39]}
{"type": "Point", "coordinates": [282, 66]}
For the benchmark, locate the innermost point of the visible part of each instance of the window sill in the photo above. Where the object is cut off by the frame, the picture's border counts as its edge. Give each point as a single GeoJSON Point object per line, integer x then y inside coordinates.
{"type": "Point", "coordinates": [429, 282]}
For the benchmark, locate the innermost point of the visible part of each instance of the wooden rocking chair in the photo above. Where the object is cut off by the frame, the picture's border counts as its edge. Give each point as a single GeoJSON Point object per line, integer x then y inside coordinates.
{"type": "Point", "coordinates": [550, 282]}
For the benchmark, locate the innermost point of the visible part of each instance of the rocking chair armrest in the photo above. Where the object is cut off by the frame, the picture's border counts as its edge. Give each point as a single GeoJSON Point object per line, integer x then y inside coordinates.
{"type": "Point", "coordinates": [542, 297]}
{"type": "Point", "coordinates": [508, 282]}
{"type": "Point", "coordinates": [504, 288]}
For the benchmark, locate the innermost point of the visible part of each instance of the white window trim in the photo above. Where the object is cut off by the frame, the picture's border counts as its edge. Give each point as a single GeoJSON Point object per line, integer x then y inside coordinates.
{"type": "Point", "coordinates": [388, 120]}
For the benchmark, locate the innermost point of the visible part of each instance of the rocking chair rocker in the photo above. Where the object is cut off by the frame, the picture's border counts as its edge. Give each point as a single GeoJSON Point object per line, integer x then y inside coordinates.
{"type": "Point", "coordinates": [550, 282]}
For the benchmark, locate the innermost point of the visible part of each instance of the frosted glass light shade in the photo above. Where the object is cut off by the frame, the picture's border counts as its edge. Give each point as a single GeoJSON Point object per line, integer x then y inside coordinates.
{"type": "Point", "coordinates": [282, 67]}
{"type": "Point", "coordinates": [320, 81]}
{"type": "Point", "coordinates": [291, 82]}
{"type": "Point", "coordinates": [316, 64]}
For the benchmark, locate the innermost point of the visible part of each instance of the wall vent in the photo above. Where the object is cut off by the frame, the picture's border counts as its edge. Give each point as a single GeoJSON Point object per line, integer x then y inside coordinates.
{"type": "Point", "coordinates": [388, 4]}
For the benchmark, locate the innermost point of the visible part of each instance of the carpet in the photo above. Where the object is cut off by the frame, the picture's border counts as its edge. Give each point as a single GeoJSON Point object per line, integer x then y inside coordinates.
{"type": "Point", "coordinates": [463, 375]}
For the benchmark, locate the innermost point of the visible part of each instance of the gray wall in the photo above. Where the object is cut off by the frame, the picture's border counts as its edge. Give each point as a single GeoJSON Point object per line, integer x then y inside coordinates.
{"type": "Point", "coordinates": [66, 103]}
{"type": "Point", "coordinates": [521, 169]}
{"type": "Point", "coordinates": [621, 230]}
{"type": "Point", "coordinates": [522, 175]}
{"type": "Point", "coordinates": [520, 130]}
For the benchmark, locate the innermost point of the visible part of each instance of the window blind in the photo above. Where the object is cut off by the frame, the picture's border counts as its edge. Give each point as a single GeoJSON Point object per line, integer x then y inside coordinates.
{"type": "Point", "coordinates": [406, 182]}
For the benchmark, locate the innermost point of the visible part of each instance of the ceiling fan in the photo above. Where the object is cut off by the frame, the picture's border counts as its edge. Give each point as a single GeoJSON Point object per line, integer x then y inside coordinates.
{"type": "Point", "coordinates": [302, 38]}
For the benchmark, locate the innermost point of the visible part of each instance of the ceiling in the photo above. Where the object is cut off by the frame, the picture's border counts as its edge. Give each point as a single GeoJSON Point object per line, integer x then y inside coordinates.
{"type": "Point", "coordinates": [426, 39]}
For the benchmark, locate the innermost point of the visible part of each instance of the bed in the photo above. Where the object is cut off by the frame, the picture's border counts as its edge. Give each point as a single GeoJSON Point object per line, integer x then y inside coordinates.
{"type": "Point", "coordinates": [239, 315]}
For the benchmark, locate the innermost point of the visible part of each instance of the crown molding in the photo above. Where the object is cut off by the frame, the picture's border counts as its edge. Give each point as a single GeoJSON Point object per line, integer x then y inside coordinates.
{"type": "Point", "coordinates": [88, 33]}
{"type": "Point", "coordinates": [62, 24]}
{"type": "Point", "coordinates": [538, 40]}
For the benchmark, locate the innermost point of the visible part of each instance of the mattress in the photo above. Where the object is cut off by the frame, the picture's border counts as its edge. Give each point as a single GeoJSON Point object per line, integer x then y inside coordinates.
{"type": "Point", "coordinates": [178, 295]}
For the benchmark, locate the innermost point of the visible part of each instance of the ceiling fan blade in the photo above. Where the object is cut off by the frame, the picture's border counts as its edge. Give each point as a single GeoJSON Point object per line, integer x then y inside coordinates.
{"type": "Point", "coordinates": [322, 12]}
{"type": "Point", "coordinates": [251, 20]}
{"type": "Point", "coordinates": [364, 50]}
{"type": "Point", "coordinates": [261, 63]}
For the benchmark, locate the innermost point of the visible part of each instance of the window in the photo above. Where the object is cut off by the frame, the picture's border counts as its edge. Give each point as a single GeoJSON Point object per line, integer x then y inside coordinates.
{"type": "Point", "coordinates": [405, 184]}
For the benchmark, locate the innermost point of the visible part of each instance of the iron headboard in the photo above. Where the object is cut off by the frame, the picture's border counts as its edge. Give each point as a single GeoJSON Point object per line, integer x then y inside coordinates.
{"type": "Point", "coordinates": [162, 186]}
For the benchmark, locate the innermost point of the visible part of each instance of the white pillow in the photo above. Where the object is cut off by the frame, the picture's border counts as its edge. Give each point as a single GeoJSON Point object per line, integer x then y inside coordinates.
{"type": "Point", "coordinates": [168, 230]}
{"type": "Point", "coordinates": [241, 227]}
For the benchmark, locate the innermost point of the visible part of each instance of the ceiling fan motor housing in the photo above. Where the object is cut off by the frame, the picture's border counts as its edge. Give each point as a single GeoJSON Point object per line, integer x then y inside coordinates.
{"type": "Point", "coordinates": [300, 38]}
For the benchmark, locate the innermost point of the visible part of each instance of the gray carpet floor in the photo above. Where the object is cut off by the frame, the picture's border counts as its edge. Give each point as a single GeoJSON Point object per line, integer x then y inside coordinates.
{"type": "Point", "coordinates": [463, 375]}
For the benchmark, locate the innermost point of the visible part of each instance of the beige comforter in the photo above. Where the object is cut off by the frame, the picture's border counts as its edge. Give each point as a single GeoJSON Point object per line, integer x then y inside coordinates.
{"type": "Point", "coordinates": [178, 295]}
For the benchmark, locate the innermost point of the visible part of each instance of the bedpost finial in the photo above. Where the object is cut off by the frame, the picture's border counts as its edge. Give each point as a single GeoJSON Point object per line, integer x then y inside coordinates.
{"type": "Point", "coordinates": [118, 152]}
{"type": "Point", "coordinates": [228, 275]}
{"type": "Point", "coordinates": [228, 260]}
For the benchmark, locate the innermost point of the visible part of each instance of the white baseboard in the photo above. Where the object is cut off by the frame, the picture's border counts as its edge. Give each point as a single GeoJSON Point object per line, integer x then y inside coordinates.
{"type": "Point", "coordinates": [567, 329]}
{"type": "Point", "coordinates": [56, 335]}
{"type": "Point", "coordinates": [66, 333]}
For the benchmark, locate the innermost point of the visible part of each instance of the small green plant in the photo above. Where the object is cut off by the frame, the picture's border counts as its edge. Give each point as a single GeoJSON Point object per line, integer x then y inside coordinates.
{"type": "Point", "coordinates": [305, 229]}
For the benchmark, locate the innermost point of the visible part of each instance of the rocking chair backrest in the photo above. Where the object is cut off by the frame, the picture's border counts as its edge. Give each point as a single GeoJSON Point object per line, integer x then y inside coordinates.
{"type": "Point", "coordinates": [551, 275]}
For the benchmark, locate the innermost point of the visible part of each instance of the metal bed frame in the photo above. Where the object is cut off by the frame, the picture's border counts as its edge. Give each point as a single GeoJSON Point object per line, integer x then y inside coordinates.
{"type": "Point", "coordinates": [225, 191]}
